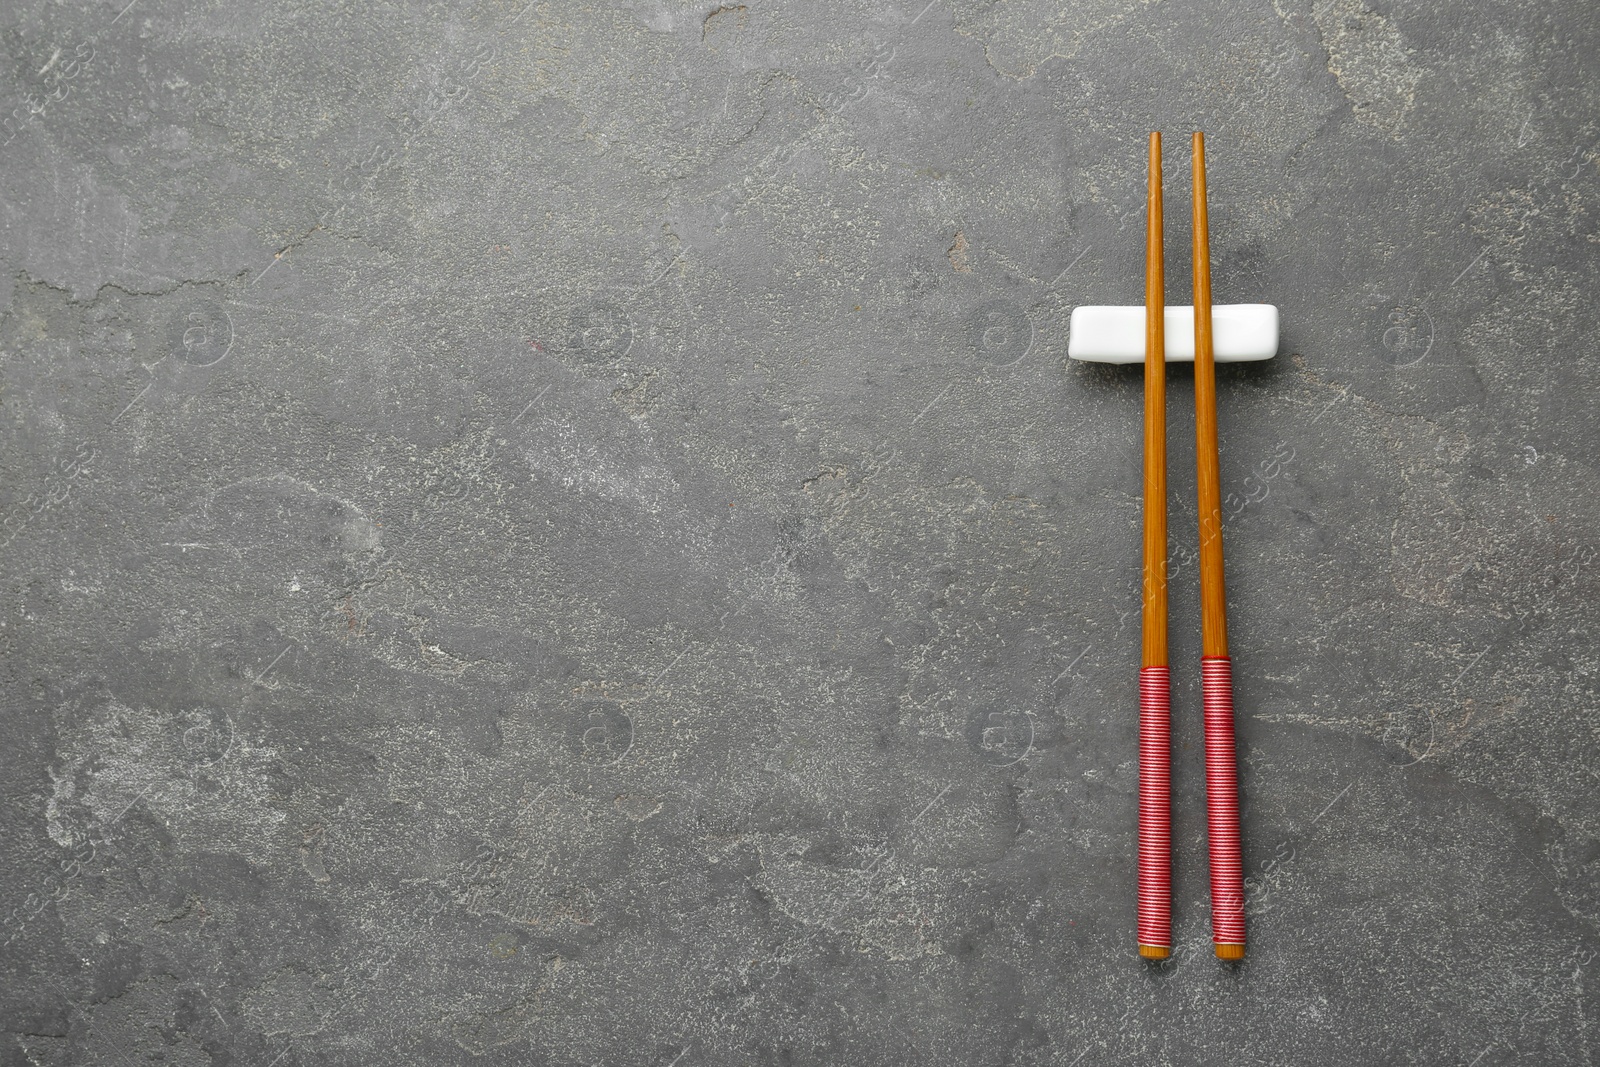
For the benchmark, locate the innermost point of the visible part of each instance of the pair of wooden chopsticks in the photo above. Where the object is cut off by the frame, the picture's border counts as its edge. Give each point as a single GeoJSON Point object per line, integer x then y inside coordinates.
{"type": "Point", "coordinates": [1155, 726]}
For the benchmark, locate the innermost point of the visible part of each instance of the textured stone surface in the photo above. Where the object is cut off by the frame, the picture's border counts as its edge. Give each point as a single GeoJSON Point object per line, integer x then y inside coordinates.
{"type": "Point", "coordinates": [564, 533]}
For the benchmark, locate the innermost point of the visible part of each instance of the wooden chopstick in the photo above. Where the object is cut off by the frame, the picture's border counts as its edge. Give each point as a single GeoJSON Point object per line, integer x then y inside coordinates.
{"type": "Point", "coordinates": [1216, 669]}
{"type": "Point", "coordinates": [1213, 602]}
{"type": "Point", "coordinates": [1155, 715]}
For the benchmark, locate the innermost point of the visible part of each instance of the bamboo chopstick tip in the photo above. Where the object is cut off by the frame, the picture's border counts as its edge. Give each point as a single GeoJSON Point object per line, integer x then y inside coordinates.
{"type": "Point", "coordinates": [1154, 952]}
{"type": "Point", "coordinates": [1229, 952]}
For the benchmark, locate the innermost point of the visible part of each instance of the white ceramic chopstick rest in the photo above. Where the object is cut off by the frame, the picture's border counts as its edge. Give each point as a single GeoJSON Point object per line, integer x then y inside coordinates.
{"type": "Point", "coordinates": [1242, 333]}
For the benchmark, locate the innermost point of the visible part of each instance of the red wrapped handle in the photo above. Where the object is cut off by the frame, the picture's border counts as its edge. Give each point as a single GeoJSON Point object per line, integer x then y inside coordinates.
{"type": "Point", "coordinates": [1155, 813]}
{"type": "Point", "coordinates": [1222, 808]}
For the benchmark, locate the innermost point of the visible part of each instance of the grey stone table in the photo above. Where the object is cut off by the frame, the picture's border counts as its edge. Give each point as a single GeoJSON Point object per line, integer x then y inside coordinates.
{"type": "Point", "coordinates": [564, 533]}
